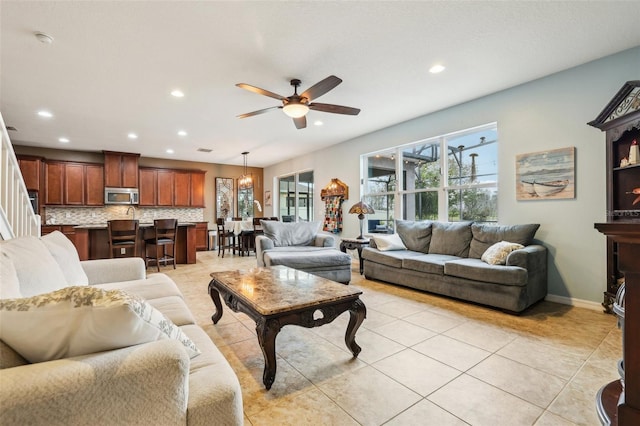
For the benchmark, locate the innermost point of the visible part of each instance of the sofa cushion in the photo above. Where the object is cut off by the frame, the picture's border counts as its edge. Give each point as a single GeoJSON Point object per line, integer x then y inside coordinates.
{"type": "Point", "coordinates": [37, 270]}
{"type": "Point", "coordinates": [389, 242]}
{"type": "Point", "coordinates": [65, 253]}
{"type": "Point", "coordinates": [153, 287]}
{"type": "Point", "coordinates": [485, 235]}
{"type": "Point", "coordinates": [9, 284]}
{"type": "Point", "coordinates": [389, 258]}
{"type": "Point", "coordinates": [497, 253]}
{"type": "Point", "coordinates": [477, 270]}
{"type": "Point", "coordinates": [286, 234]}
{"type": "Point", "coordinates": [82, 320]}
{"type": "Point", "coordinates": [450, 238]}
{"type": "Point", "coordinates": [174, 308]}
{"type": "Point", "coordinates": [429, 263]}
{"type": "Point", "coordinates": [303, 259]}
{"type": "Point", "coordinates": [416, 236]}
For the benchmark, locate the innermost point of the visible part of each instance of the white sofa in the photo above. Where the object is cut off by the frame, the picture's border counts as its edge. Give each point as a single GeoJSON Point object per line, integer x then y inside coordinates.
{"type": "Point", "coordinates": [153, 383]}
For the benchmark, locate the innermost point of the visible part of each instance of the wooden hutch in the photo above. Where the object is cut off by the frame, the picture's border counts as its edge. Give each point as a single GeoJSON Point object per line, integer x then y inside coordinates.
{"type": "Point", "coordinates": [618, 403]}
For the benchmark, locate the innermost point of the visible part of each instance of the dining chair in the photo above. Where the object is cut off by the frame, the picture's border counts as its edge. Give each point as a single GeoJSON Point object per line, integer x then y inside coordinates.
{"type": "Point", "coordinates": [123, 234]}
{"type": "Point", "coordinates": [164, 235]}
{"type": "Point", "coordinates": [226, 239]}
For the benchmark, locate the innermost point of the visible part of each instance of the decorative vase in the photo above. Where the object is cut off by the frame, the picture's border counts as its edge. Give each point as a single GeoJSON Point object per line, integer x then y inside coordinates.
{"type": "Point", "coordinates": [634, 154]}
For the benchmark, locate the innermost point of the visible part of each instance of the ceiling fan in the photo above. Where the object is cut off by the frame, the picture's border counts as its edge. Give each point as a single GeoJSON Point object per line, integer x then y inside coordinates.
{"type": "Point", "coordinates": [296, 106]}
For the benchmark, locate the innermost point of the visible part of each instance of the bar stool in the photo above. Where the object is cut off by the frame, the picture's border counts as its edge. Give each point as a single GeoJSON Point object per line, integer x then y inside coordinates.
{"type": "Point", "coordinates": [164, 235]}
{"type": "Point", "coordinates": [123, 234]}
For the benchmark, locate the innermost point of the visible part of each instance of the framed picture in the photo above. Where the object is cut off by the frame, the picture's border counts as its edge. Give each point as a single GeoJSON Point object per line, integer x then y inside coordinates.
{"type": "Point", "coordinates": [267, 198]}
{"type": "Point", "coordinates": [546, 175]}
{"type": "Point", "coordinates": [224, 198]}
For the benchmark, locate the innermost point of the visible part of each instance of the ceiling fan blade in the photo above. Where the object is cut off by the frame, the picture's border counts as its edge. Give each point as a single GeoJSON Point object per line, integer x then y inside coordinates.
{"type": "Point", "coordinates": [300, 122]}
{"type": "Point", "coordinates": [260, 91]}
{"type": "Point", "coordinates": [260, 111]}
{"type": "Point", "coordinates": [335, 109]}
{"type": "Point", "coordinates": [321, 88]}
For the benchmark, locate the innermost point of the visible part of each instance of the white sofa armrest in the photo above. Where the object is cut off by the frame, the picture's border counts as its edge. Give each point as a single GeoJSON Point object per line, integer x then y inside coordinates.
{"type": "Point", "coordinates": [143, 384]}
{"type": "Point", "coordinates": [262, 244]}
{"type": "Point", "coordinates": [103, 271]}
{"type": "Point", "coordinates": [324, 240]}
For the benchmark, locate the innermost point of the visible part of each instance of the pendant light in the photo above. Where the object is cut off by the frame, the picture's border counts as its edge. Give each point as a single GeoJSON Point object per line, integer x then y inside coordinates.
{"type": "Point", "coordinates": [245, 181]}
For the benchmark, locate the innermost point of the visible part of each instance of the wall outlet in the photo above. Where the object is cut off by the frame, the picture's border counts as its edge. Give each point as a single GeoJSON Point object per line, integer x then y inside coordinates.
{"type": "Point", "coordinates": [123, 251]}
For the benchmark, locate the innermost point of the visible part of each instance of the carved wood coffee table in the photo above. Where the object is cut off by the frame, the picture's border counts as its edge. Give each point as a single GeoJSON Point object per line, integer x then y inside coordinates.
{"type": "Point", "coordinates": [278, 296]}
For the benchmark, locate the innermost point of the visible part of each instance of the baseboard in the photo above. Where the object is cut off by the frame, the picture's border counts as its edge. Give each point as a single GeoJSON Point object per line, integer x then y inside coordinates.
{"type": "Point", "coordinates": [580, 303]}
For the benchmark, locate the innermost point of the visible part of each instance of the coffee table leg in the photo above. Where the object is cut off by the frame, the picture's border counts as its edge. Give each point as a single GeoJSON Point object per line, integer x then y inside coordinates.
{"type": "Point", "coordinates": [215, 297]}
{"type": "Point", "coordinates": [358, 313]}
{"type": "Point", "coordinates": [267, 331]}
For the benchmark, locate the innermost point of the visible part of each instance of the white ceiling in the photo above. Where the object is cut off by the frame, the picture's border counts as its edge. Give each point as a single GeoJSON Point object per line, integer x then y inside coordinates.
{"type": "Point", "coordinates": [112, 66]}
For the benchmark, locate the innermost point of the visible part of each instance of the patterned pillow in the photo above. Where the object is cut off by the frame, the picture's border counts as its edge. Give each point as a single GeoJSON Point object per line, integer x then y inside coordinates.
{"type": "Point", "coordinates": [497, 253]}
{"type": "Point", "coordinates": [389, 242]}
{"type": "Point", "coordinates": [82, 320]}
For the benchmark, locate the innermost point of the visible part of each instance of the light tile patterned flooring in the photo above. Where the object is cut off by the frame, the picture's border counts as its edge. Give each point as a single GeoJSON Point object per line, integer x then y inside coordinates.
{"type": "Point", "coordinates": [425, 359]}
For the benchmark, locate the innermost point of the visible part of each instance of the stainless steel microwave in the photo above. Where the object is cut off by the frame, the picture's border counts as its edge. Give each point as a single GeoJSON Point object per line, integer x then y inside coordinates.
{"type": "Point", "coordinates": [121, 196]}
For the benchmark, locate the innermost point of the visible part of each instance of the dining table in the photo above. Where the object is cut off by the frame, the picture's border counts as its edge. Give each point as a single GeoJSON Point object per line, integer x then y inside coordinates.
{"type": "Point", "coordinates": [238, 227]}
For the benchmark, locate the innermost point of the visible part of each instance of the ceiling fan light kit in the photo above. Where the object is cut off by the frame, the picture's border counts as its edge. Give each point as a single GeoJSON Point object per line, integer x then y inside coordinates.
{"type": "Point", "coordinates": [297, 106]}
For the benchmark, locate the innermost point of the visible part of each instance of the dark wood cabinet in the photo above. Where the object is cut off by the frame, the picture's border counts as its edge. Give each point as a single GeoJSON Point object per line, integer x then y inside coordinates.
{"type": "Point", "coordinates": [165, 187]}
{"type": "Point", "coordinates": [171, 187]}
{"type": "Point", "coordinates": [31, 169]}
{"type": "Point", "coordinates": [120, 169]}
{"type": "Point", "coordinates": [197, 188]}
{"type": "Point", "coordinates": [94, 185]}
{"type": "Point", "coordinates": [148, 187]}
{"type": "Point", "coordinates": [182, 188]}
{"type": "Point", "coordinates": [202, 236]}
{"type": "Point", "coordinates": [73, 184]}
{"type": "Point", "coordinates": [618, 403]}
{"type": "Point", "coordinates": [54, 183]}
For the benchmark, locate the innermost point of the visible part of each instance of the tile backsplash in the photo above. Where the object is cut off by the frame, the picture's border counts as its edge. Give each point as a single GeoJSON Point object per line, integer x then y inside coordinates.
{"type": "Point", "coordinates": [97, 215]}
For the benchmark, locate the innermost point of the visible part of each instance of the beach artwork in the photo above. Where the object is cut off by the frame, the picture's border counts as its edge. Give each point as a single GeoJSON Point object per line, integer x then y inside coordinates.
{"type": "Point", "coordinates": [546, 175]}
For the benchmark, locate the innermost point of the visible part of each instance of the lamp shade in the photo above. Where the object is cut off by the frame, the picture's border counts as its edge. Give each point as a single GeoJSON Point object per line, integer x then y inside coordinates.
{"type": "Point", "coordinates": [361, 208]}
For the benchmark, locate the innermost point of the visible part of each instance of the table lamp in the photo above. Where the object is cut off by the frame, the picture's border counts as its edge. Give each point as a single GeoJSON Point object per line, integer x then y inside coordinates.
{"type": "Point", "coordinates": [361, 208]}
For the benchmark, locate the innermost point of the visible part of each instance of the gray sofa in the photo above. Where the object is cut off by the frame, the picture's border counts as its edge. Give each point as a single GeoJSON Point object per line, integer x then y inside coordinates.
{"type": "Point", "coordinates": [446, 258]}
{"type": "Point", "coordinates": [300, 246]}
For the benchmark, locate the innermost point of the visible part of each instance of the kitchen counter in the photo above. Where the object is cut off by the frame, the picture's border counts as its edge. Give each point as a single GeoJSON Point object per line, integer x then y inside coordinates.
{"type": "Point", "coordinates": [92, 239]}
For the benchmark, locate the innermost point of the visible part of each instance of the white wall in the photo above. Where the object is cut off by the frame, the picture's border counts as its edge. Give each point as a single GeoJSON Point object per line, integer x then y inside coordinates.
{"type": "Point", "coordinates": [548, 113]}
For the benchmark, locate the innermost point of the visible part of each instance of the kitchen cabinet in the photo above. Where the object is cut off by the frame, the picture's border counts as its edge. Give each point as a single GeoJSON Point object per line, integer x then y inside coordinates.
{"type": "Point", "coordinates": [73, 184]}
{"type": "Point", "coordinates": [202, 236]}
{"type": "Point", "coordinates": [171, 187]}
{"type": "Point", "coordinates": [120, 169]}
{"type": "Point", "coordinates": [197, 188]}
{"type": "Point", "coordinates": [31, 169]}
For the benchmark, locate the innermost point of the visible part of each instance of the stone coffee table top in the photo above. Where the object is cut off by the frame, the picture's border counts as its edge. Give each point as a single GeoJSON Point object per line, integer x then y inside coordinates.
{"type": "Point", "coordinates": [278, 289]}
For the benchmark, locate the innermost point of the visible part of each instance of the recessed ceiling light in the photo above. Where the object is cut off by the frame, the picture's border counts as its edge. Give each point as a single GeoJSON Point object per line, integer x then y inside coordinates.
{"type": "Point", "coordinates": [45, 114]}
{"type": "Point", "coordinates": [132, 136]}
{"type": "Point", "coordinates": [182, 133]}
{"type": "Point", "coordinates": [318, 123]}
{"type": "Point", "coordinates": [177, 93]}
{"type": "Point", "coordinates": [44, 38]}
{"type": "Point", "coordinates": [169, 151]}
{"type": "Point", "coordinates": [438, 68]}
{"type": "Point", "coordinates": [63, 140]}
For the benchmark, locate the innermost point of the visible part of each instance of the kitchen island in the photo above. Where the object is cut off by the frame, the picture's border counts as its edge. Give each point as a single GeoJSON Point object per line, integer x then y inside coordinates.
{"type": "Point", "coordinates": [92, 240]}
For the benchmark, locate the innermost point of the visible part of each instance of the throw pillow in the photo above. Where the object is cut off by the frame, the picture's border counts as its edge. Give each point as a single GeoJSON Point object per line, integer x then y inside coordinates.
{"type": "Point", "coordinates": [9, 284]}
{"type": "Point", "coordinates": [415, 235]}
{"type": "Point", "coordinates": [37, 270]}
{"type": "Point", "coordinates": [82, 320]}
{"type": "Point", "coordinates": [450, 238]}
{"type": "Point", "coordinates": [485, 235]}
{"type": "Point", "coordinates": [285, 234]}
{"type": "Point", "coordinates": [389, 242]}
{"type": "Point", "coordinates": [497, 253]}
{"type": "Point", "coordinates": [65, 253]}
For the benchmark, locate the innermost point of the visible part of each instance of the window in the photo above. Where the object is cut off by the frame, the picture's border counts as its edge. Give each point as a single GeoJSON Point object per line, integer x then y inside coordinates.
{"type": "Point", "coordinates": [295, 197]}
{"type": "Point", "coordinates": [414, 174]}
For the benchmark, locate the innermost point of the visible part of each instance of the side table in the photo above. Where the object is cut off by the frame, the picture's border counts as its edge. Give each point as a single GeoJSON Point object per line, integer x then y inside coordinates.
{"type": "Point", "coordinates": [354, 244]}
